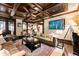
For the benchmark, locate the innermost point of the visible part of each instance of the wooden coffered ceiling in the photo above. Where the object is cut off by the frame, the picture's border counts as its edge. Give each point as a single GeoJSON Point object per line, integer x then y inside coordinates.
{"type": "Point", "coordinates": [31, 12]}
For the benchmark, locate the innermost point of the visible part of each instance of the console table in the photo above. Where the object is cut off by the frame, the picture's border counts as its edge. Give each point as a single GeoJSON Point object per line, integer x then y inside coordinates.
{"type": "Point", "coordinates": [54, 41]}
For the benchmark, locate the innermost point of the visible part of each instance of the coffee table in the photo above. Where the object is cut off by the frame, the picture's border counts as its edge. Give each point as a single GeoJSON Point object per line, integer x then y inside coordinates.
{"type": "Point", "coordinates": [32, 44]}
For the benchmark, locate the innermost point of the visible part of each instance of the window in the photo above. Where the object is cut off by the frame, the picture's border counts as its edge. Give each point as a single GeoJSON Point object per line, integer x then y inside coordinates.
{"type": "Point", "coordinates": [11, 26]}
{"type": "Point", "coordinates": [24, 26]}
{"type": "Point", "coordinates": [2, 25]}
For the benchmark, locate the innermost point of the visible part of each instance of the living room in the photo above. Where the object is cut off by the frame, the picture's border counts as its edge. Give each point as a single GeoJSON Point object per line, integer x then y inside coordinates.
{"type": "Point", "coordinates": [39, 29]}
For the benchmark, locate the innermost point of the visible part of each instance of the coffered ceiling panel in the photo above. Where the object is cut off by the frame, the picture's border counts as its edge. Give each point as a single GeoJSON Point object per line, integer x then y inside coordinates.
{"type": "Point", "coordinates": [33, 11]}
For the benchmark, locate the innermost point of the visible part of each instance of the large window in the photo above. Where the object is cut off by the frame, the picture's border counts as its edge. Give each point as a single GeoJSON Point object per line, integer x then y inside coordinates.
{"type": "Point", "coordinates": [6, 24]}
{"type": "Point", "coordinates": [2, 25]}
{"type": "Point", "coordinates": [24, 26]}
{"type": "Point", "coordinates": [40, 28]}
{"type": "Point", "coordinates": [11, 26]}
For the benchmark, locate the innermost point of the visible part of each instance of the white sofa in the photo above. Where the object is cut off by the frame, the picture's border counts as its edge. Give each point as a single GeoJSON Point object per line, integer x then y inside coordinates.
{"type": "Point", "coordinates": [4, 52]}
{"type": "Point", "coordinates": [1, 41]}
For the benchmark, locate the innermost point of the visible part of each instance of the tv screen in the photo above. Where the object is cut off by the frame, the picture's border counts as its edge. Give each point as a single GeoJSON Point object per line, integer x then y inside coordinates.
{"type": "Point", "coordinates": [57, 24]}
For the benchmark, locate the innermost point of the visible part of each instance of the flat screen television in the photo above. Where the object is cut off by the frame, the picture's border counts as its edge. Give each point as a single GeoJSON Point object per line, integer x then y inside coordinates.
{"type": "Point", "coordinates": [57, 24]}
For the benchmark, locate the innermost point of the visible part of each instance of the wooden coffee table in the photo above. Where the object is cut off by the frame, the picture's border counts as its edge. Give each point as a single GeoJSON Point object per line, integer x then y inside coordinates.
{"type": "Point", "coordinates": [31, 44]}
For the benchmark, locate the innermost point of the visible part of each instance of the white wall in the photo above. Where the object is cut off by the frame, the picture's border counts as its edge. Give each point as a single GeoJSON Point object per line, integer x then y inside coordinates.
{"type": "Point", "coordinates": [18, 29]}
{"type": "Point", "coordinates": [67, 17]}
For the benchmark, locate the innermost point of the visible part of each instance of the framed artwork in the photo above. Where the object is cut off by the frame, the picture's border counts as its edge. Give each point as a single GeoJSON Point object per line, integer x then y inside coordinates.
{"type": "Point", "coordinates": [19, 24]}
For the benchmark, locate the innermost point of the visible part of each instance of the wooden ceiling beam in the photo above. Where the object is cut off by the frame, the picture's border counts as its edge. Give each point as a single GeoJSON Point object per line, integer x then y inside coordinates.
{"type": "Point", "coordinates": [14, 9]}
{"type": "Point", "coordinates": [9, 7]}
{"type": "Point", "coordinates": [28, 12]}
{"type": "Point", "coordinates": [49, 6]}
{"type": "Point", "coordinates": [6, 5]}
{"type": "Point", "coordinates": [3, 14]}
{"type": "Point", "coordinates": [37, 5]}
{"type": "Point", "coordinates": [26, 9]}
{"type": "Point", "coordinates": [48, 9]}
{"type": "Point", "coordinates": [44, 11]}
{"type": "Point", "coordinates": [17, 17]}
